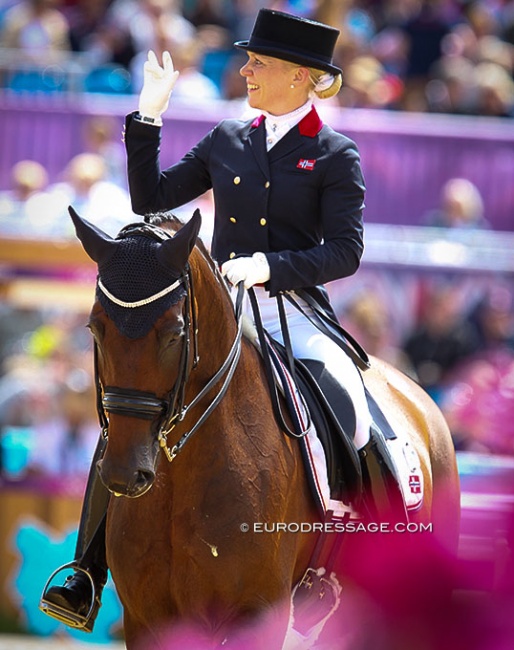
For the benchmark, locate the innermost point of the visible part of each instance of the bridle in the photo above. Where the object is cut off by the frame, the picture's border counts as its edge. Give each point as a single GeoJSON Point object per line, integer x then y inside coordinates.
{"type": "Point", "coordinates": [171, 409]}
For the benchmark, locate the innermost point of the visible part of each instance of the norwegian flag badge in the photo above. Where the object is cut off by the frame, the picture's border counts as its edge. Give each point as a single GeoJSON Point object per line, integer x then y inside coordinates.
{"type": "Point", "coordinates": [303, 163]}
{"type": "Point", "coordinates": [415, 484]}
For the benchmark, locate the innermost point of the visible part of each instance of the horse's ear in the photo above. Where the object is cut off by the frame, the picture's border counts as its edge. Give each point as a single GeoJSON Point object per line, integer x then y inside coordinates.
{"type": "Point", "coordinates": [175, 252]}
{"type": "Point", "coordinates": [97, 244]}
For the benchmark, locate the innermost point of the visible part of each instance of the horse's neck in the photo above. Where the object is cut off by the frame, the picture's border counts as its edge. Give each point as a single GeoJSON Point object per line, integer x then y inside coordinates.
{"type": "Point", "coordinates": [217, 326]}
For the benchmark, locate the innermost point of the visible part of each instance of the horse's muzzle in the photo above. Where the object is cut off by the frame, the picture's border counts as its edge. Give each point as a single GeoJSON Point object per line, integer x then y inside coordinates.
{"type": "Point", "coordinates": [133, 485]}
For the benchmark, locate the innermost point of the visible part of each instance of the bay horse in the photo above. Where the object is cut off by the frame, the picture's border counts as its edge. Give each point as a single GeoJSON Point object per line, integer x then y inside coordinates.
{"type": "Point", "coordinates": [177, 545]}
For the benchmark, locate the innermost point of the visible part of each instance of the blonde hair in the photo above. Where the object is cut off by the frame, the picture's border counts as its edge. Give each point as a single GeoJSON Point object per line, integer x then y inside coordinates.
{"type": "Point", "coordinates": [315, 76]}
{"type": "Point", "coordinates": [463, 198]}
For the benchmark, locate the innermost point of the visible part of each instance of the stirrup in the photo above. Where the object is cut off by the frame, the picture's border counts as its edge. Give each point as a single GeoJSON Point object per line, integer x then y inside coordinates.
{"type": "Point", "coordinates": [69, 618]}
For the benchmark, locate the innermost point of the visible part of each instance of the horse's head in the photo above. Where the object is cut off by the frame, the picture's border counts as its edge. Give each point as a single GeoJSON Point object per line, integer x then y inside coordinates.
{"type": "Point", "coordinates": [140, 324]}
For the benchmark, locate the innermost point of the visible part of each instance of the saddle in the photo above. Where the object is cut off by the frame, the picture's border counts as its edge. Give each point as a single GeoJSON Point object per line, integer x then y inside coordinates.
{"type": "Point", "coordinates": [367, 479]}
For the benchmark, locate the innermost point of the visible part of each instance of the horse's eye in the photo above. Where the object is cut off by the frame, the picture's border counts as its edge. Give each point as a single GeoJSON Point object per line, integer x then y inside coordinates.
{"type": "Point", "coordinates": [171, 335]}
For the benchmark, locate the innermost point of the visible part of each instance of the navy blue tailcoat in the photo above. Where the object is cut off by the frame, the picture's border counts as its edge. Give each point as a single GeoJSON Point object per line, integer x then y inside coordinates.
{"type": "Point", "coordinates": [300, 203]}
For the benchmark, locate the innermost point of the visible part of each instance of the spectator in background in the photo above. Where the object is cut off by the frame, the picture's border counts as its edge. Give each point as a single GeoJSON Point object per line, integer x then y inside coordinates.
{"type": "Point", "coordinates": [36, 27]}
{"type": "Point", "coordinates": [368, 319]}
{"type": "Point", "coordinates": [461, 206]}
{"type": "Point", "coordinates": [93, 34]}
{"type": "Point", "coordinates": [391, 48]}
{"type": "Point", "coordinates": [144, 23]}
{"type": "Point", "coordinates": [65, 440]}
{"type": "Point", "coordinates": [20, 205]}
{"type": "Point", "coordinates": [47, 388]}
{"type": "Point", "coordinates": [451, 87]}
{"type": "Point", "coordinates": [369, 85]}
{"type": "Point", "coordinates": [477, 396]}
{"type": "Point", "coordinates": [441, 339]}
{"type": "Point", "coordinates": [27, 178]}
{"type": "Point", "coordinates": [494, 91]}
{"type": "Point", "coordinates": [493, 320]}
{"type": "Point", "coordinates": [101, 137]}
{"type": "Point", "coordinates": [424, 30]}
{"type": "Point", "coordinates": [85, 186]}
{"type": "Point", "coordinates": [491, 49]}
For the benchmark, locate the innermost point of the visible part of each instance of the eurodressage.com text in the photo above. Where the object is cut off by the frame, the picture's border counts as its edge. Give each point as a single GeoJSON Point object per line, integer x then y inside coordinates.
{"type": "Point", "coordinates": [336, 527]}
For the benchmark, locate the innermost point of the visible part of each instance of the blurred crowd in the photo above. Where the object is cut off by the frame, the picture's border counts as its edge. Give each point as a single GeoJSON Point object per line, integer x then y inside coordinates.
{"type": "Point", "coordinates": [93, 181]}
{"type": "Point", "coordinates": [454, 335]}
{"type": "Point", "coordinates": [449, 56]}
{"type": "Point", "coordinates": [47, 397]}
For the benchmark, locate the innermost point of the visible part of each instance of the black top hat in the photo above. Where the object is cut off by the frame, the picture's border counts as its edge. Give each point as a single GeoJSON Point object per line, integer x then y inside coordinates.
{"type": "Point", "coordinates": [294, 39]}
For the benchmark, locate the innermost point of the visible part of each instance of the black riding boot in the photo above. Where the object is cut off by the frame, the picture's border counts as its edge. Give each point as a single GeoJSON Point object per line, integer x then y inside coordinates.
{"type": "Point", "coordinates": [382, 493]}
{"type": "Point", "coordinates": [77, 601]}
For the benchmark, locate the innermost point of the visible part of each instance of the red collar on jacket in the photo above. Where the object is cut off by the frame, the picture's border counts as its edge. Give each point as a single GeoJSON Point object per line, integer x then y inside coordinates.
{"type": "Point", "coordinates": [310, 125]}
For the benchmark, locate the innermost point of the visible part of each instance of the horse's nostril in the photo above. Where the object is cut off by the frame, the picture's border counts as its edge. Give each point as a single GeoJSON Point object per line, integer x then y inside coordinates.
{"type": "Point", "coordinates": [144, 478]}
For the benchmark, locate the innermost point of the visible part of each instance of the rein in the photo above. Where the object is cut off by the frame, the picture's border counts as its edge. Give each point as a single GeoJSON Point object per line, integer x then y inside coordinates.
{"type": "Point", "coordinates": [172, 409]}
{"type": "Point", "coordinates": [225, 373]}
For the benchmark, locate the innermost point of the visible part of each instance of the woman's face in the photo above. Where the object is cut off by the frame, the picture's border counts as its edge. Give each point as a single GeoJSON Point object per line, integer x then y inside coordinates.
{"type": "Point", "coordinates": [268, 82]}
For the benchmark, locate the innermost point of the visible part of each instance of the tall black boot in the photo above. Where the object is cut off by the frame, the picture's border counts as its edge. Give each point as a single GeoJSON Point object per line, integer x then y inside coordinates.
{"type": "Point", "coordinates": [77, 601]}
{"type": "Point", "coordinates": [382, 497]}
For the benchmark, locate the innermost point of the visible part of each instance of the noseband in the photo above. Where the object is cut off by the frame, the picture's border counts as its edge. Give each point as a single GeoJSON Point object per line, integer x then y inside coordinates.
{"type": "Point", "coordinates": [171, 409]}
{"type": "Point", "coordinates": [132, 403]}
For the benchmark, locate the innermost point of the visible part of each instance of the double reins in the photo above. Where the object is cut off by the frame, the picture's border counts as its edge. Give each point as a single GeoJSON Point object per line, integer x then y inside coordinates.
{"type": "Point", "coordinates": [225, 373]}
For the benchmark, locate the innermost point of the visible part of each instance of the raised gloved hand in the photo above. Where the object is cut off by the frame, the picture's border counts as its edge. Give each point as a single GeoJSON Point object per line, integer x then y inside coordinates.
{"type": "Point", "coordinates": [250, 270]}
{"type": "Point", "coordinates": [157, 86]}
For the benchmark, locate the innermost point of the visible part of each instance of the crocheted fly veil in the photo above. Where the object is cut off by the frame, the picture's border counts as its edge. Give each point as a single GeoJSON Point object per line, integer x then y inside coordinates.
{"type": "Point", "coordinates": [140, 272]}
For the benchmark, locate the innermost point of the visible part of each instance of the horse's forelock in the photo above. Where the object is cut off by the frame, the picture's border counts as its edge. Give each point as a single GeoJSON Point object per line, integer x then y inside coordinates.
{"type": "Point", "coordinates": [169, 221]}
{"type": "Point", "coordinates": [164, 220]}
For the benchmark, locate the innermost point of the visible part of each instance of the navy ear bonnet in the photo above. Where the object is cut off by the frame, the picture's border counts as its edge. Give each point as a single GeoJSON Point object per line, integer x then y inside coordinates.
{"type": "Point", "coordinates": [141, 273]}
{"type": "Point", "coordinates": [134, 273]}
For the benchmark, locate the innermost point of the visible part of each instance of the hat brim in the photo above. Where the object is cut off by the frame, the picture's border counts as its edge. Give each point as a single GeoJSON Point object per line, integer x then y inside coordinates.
{"type": "Point", "coordinates": [287, 55]}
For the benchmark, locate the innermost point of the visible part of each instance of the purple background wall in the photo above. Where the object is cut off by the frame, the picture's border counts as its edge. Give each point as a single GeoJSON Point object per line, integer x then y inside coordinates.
{"type": "Point", "coordinates": [406, 157]}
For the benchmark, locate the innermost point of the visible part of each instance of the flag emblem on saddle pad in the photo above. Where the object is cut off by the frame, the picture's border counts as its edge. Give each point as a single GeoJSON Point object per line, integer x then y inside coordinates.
{"type": "Point", "coordinates": [303, 163]}
{"type": "Point", "coordinates": [414, 484]}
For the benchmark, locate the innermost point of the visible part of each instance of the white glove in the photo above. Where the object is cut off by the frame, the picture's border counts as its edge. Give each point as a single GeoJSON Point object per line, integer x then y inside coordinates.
{"type": "Point", "coordinates": [250, 270]}
{"type": "Point", "coordinates": [157, 86]}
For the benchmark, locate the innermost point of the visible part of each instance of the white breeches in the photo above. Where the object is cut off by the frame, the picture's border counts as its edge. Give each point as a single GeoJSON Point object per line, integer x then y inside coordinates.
{"type": "Point", "coordinates": [309, 343]}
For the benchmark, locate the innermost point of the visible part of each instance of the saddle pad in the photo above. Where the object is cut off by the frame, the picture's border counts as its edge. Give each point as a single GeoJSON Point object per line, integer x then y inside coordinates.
{"type": "Point", "coordinates": [409, 472]}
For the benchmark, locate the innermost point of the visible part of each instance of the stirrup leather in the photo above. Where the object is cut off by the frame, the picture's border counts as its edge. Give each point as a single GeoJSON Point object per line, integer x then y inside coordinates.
{"type": "Point", "coordinates": [69, 618]}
